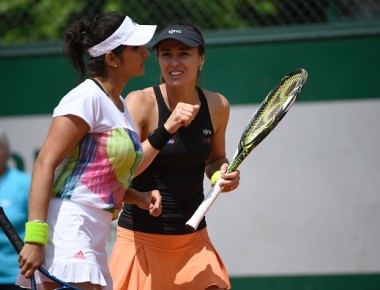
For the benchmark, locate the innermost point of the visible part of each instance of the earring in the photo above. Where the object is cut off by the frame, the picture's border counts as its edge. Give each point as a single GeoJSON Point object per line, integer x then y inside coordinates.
{"type": "Point", "coordinates": [200, 68]}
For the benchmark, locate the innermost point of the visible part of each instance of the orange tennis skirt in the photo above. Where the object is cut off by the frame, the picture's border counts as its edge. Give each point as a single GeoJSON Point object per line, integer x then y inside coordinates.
{"type": "Point", "coordinates": [141, 261]}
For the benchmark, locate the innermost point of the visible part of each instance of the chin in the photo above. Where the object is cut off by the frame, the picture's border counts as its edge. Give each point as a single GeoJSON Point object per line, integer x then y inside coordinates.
{"type": "Point", "coordinates": [142, 72]}
{"type": "Point", "coordinates": [176, 83]}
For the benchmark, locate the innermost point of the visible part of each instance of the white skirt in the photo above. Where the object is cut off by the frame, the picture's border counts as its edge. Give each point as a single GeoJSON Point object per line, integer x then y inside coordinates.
{"type": "Point", "coordinates": [76, 249]}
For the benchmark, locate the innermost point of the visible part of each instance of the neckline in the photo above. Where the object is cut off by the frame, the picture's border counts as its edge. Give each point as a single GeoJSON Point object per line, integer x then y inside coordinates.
{"type": "Point", "coordinates": [104, 91]}
{"type": "Point", "coordinates": [159, 94]}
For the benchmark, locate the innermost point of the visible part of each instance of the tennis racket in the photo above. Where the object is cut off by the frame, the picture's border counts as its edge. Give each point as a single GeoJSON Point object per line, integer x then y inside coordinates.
{"type": "Point", "coordinates": [266, 118]}
{"type": "Point", "coordinates": [17, 244]}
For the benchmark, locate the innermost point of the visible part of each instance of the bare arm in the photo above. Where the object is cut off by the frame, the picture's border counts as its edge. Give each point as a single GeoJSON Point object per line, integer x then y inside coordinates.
{"type": "Point", "coordinates": [220, 111]}
{"type": "Point", "coordinates": [64, 134]}
{"type": "Point", "coordinates": [143, 109]}
{"type": "Point", "coordinates": [149, 200]}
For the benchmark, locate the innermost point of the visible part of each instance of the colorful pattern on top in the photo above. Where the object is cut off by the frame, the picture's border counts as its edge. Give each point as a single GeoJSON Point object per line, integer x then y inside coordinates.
{"type": "Point", "coordinates": [99, 170]}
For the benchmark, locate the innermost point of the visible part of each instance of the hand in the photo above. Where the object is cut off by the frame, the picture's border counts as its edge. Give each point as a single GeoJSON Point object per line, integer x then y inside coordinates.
{"type": "Point", "coordinates": [148, 200]}
{"type": "Point", "coordinates": [231, 180]}
{"type": "Point", "coordinates": [182, 115]}
{"type": "Point", "coordinates": [155, 207]}
{"type": "Point", "coordinates": [31, 256]}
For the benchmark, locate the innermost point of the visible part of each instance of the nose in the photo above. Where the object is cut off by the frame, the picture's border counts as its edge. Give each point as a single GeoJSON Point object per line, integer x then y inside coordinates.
{"type": "Point", "coordinates": [174, 61]}
{"type": "Point", "coordinates": [145, 52]}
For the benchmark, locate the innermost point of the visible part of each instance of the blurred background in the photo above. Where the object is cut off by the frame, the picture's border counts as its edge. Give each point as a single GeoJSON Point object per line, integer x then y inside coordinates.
{"type": "Point", "coordinates": [306, 215]}
{"type": "Point", "coordinates": [25, 21]}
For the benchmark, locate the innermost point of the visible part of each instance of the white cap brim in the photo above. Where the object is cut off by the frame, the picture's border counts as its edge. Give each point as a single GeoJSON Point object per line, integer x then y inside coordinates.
{"type": "Point", "coordinates": [142, 35]}
{"type": "Point", "coordinates": [129, 33]}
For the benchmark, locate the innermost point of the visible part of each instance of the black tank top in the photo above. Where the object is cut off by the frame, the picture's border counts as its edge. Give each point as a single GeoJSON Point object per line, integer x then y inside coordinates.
{"type": "Point", "coordinates": [178, 172]}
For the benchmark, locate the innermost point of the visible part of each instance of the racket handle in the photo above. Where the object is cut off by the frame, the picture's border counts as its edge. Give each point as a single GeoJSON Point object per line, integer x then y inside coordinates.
{"type": "Point", "coordinates": [10, 232]}
{"type": "Point", "coordinates": [201, 211]}
{"type": "Point", "coordinates": [14, 238]}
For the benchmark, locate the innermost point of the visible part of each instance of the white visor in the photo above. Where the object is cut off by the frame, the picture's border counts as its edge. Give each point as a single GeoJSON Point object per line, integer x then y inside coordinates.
{"type": "Point", "coordinates": [129, 33]}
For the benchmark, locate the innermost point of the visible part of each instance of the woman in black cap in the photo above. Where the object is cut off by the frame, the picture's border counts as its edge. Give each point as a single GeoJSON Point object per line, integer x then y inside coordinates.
{"type": "Point", "coordinates": [182, 128]}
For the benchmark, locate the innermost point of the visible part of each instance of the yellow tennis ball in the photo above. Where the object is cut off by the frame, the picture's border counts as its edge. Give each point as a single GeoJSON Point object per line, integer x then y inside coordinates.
{"type": "Point", "coordinates": [215, 177]}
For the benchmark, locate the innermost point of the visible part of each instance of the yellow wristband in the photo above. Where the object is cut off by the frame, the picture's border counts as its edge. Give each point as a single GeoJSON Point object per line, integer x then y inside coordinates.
{"type": "Point", "coordinates": [36, 232]}
{"type": "Point", "coordinates": [215, 177]}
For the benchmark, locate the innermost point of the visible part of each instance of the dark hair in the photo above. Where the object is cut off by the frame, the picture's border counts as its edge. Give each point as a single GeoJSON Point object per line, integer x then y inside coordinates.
{"type": "Point", "coordinates": [80, 36]}
{"type": "Point", "coordinates": [191, 26]}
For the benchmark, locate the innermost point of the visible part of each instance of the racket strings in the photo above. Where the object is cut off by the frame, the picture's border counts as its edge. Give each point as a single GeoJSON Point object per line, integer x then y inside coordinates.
{"type": "Point", "coordinates": [271, 107]}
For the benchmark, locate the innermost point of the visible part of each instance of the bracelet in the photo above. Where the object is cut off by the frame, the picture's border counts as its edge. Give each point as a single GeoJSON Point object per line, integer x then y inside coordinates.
{"type": "Point", "coordinates": [215, 177]}
{"type": "Point", "coordinates": [159, 137]}
{"type": "Point", "coordinates": [36, 232]}
{"type": "Point", "coordinates": [38, 221]}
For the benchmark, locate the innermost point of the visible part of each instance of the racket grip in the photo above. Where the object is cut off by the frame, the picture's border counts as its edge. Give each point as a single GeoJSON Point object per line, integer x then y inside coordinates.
{"type": "Point", "coordinates": [10, 231]}
{"type": "Point", "coordinates": [201, 211]}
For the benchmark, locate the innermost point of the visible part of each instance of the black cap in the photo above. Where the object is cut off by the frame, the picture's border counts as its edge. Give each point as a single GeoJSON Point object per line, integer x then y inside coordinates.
{"type": "Point", "coordinates": [181, 33]}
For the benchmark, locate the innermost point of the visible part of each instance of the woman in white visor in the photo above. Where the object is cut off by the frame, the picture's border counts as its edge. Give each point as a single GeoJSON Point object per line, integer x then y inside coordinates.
{"type": "Point", "coordinates": [82, 173]}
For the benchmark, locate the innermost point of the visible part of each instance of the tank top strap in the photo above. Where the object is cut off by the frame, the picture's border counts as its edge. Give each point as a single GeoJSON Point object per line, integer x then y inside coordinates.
{"type": "Point", "coordinates": [163, 110]}
{"type": "Point", "coordinates": [203, 111]}
{"type": "Point", "coordinates": [202, 96]}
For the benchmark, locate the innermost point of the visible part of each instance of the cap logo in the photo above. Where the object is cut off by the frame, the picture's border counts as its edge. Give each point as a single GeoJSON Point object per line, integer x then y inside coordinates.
{"type": "Point", "coordinates": [172, 31]}
{"type": "Point", "coordinates": [186, 35]}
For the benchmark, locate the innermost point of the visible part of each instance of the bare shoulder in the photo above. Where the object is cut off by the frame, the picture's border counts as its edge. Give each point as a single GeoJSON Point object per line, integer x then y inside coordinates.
{"type": "Point", "coordinates": [141, 103]}
{"type": "Point", "coordinates": [219, 109]}
{"type": "Point", "coordinates": [145, 96]}
{"type": "Point", "coordinates": [143, 109]}
{"type": "Point", "coordinates": [217, 103]}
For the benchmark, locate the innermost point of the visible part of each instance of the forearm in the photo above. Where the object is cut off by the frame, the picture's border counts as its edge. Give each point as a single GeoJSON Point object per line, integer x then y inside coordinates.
{"type": "Point", "coordinates": [148, 200]}
{"type": "Point", "coordinates": [152, 146]}
{"type": "Point", "coordinates": [148, 156]}
{"type": "Point", "coordinates": [132, 196]}
{"type": "Point", "coordinates": [40, 191]}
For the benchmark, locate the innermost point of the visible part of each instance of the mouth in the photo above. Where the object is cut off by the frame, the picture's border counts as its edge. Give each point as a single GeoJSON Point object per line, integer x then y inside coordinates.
{"type": "Point", "coordinates": [175, 73]}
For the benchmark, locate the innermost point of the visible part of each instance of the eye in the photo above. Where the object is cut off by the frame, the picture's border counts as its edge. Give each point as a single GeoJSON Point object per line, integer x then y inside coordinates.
{"type": "Point", "coordinates": [165, 54]}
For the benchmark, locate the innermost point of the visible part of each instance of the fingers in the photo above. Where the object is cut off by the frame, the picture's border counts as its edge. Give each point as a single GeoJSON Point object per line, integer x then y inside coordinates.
{"type": "Point", "coordinates": [224, 167]}
{"type": "Point", "coordinates": [155, 207]}
{"type": "Point", "coordinates": [182, 116]}
{"type": "Point", "coordinates": [231, 180]}
{"type": "Point", "coordinates": [28, 270]}
{"type": "Point", "coordinates": [31, 256]}
{"type": "Point", "coordinates": [230, 187]}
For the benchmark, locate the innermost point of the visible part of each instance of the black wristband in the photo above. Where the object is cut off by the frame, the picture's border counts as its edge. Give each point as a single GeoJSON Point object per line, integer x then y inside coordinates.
{"type": "Point", "coordinates": [159, 137]}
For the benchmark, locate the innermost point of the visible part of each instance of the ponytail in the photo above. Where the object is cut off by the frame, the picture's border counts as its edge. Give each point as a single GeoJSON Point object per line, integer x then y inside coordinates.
{"type": "Point", "coordinates": [74, 48]}
{"type": "Point", "coordinates": [79, 37]}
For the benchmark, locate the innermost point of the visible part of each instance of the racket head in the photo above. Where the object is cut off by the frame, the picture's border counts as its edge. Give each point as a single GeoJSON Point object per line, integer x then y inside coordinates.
{"type": "Point", "coordinates": [270, 112]}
